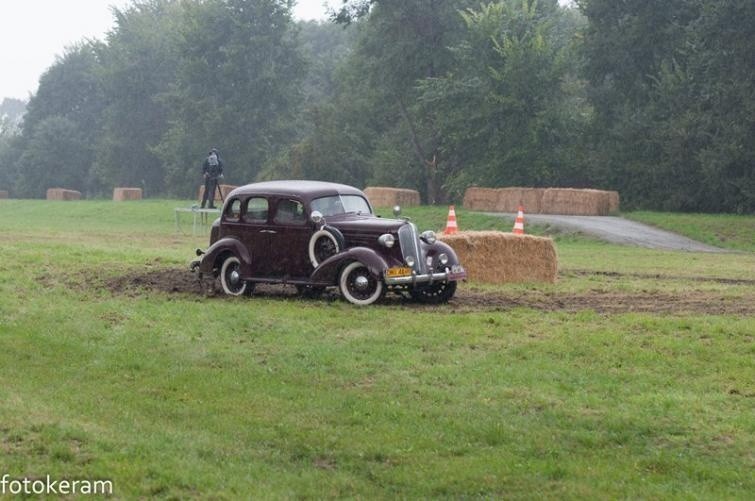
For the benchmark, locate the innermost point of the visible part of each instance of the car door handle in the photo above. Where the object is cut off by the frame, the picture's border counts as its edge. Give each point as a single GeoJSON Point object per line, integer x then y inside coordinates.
{"type": "Point", "coordinates": [268, 231]}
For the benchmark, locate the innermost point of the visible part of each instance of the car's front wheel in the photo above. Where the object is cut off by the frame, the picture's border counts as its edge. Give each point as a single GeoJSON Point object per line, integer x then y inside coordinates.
{"type": "Point", "coordinates": [230, 278]}
{"type": "Point", "coordinates": [359, 286]}
{"type": "Point", "coordinates": [437, 293]}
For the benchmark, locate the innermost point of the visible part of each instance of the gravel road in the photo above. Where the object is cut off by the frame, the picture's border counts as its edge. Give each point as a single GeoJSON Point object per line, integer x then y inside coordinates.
{"type": "Point", "coordinates": [619, 231]}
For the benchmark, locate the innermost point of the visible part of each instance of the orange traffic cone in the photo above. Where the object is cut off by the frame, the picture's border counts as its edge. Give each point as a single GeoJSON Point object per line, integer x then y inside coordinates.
{"type": "Point", "coordinates": [519, 223]}
{"type": "Point", "coordinates": [451, 226]}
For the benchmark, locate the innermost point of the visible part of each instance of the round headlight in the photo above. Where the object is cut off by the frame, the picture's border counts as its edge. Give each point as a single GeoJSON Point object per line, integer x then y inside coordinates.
{"type": "Point", "coordinates": [429, 237]}
{"type": "Point", "coordinates": [387, 240]}
{"type": "Point", "coordinates": [410, 261]}
{"type": "Point", "coordinates": [443, 258]}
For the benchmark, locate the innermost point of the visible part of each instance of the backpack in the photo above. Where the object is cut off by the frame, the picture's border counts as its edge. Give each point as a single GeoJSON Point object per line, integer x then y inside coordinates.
{"type": "Point", "coordinates": [212, 160]}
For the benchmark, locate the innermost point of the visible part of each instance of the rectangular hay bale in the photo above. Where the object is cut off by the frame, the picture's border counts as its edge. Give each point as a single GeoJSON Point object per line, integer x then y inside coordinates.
{"type": "Point", "coordinates": [380, 196]}
{"type": "Point", "coordinates": [614, 203]}
{"type": "Point", "coordinates": [503, 199]}
{"type": "Point", "coordinates": [498, 257]}
{"type": "Point", "coordinates": [573, 202]}
{"type": "Point", "coordinates": [509, 199]}
{"type": "Point", "coordinates": [63, 194]}
{"type": "Point", "coordinates": [126, 194]}
{"type": "Point", "coordinates": [567, 201]}
{"type": "Point", "coordinates": [482, 199]}
{"type": "Point", "coordinates": [225, 189]}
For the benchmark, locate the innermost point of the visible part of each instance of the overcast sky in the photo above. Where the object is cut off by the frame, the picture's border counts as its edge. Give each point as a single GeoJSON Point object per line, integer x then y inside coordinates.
{"type": "Point", "coordinates": [33, 32]}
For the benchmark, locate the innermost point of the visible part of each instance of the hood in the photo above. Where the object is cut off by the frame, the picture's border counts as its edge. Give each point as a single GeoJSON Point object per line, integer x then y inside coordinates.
{"type": "Point", "coordinates": [364, 223]}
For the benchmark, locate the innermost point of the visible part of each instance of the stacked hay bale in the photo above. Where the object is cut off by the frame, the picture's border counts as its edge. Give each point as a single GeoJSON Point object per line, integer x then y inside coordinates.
{"type": "Point", "coordinates": [498, 257]}
{"type": "Point", "coordinates": [566, 201]}
{"type": "Point", "coordinates": [3, 194]}
{"type": "Point", "coordinates": [573, 202]}
{"type": "Point", "coordinates": [481, 198]}
{"type": "Point", "coordinates": [613, 202]}
{"type": "Point", "coordinates": [225, 189]}
{"type": "Point", "coordinates": [503, 199]}
{"type": "Point", "coordinates": [126, 194]}
{"type": "Point", "coordinates": [389, 197]}
{"type": "Point", "coordinates": [63, 194]}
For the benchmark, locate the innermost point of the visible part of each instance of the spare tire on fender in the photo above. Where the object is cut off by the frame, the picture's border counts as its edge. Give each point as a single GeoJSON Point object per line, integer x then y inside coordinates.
{"type": "Point", "coordinates": [325, 243]}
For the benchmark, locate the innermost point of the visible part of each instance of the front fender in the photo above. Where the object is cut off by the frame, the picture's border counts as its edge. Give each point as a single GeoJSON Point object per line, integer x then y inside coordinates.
{"type": "Point", "coordinates": [328, 270]}
{"type": "Point", "coordinates": [228, 244]}
{"type": "Point", "coordinates": [441, 247]}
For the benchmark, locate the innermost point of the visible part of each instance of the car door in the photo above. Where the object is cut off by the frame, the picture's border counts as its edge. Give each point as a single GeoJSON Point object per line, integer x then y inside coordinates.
{"type": "Point", "coordinates": [290, 242]}
{"type": "Point", "coordinates": [247, 220]}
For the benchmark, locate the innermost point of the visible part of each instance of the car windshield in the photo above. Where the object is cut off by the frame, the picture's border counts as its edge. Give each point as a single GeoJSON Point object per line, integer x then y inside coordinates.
{"type": "Point", "coordinates": [341, 204]}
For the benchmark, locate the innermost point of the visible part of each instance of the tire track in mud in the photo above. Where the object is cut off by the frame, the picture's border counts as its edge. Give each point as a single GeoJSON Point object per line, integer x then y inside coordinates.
{"type": "Point", "coordinates": [469, 299]}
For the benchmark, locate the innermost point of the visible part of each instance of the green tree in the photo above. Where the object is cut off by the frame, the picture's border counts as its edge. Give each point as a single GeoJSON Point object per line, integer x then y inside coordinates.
{"type": "Point", "coordinates": [672, 85]}
{"type": "Point", "coordinates": [237, 88]}
{"type": "Point", "coordinates": [57, 154]}
{"type": "Point", "coordinates": [510, 110]}
{"type": "Point", "coordinates": [139, 65]}
{"type": "Point", "coordinates": [68, 103]}
{"type": "Point", "coordinates": [402, 43]}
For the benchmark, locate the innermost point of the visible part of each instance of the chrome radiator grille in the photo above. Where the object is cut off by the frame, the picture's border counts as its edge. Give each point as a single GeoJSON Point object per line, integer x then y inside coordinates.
{"type": "Point", "coordinates": [408, 238]}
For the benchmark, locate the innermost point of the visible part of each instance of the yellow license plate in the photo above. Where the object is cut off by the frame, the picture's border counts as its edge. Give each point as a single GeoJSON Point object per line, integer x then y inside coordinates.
{"type": "Point", "coordinates": [398, 272]}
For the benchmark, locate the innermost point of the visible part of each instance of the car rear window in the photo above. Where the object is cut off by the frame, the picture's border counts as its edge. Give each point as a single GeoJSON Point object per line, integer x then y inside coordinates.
{"type": "Point", "coordinates": [290, 212]}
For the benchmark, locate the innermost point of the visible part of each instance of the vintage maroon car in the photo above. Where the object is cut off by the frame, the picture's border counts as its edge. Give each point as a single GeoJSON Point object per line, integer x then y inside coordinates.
{"type": "Point", "coordinates": [315, 235]}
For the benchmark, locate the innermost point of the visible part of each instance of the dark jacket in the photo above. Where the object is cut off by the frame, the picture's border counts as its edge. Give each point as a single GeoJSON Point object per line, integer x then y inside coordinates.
{"type": "Point", "coordinates": [212, 171]}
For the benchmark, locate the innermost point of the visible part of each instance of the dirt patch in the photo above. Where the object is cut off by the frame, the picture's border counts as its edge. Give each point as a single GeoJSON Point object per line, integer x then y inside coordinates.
{"type": "Point", "coordinates": [468, 299]}
{"type": "Point", "coordinates": [655, 276]}
{"type": "Point", "coordinates": [700, 303]}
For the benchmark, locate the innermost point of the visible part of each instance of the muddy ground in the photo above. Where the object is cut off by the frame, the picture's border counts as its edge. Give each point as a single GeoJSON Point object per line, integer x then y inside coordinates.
{"type": "Point", "coordinates": [469, 298]}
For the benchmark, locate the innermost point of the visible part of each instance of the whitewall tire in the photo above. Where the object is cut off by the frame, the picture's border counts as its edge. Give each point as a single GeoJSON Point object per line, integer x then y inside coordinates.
{"type": "Point", "coordinates": [230, 277]}
{"type": "Point", "coordinates": [359, 286]}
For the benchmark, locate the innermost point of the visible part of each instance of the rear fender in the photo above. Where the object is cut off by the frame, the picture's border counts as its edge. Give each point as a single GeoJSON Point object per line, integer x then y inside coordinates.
{"type": "Point", "coordinates": [329, 269]}
{"type": "Point", "coordinates": [231, 245]}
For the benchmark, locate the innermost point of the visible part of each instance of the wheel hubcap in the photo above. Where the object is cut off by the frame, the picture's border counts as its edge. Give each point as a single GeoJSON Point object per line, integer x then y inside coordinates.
{"type": "Point", "coordinates": [361, 282]}
{"type": "Point", "coordinates": [235, 277]}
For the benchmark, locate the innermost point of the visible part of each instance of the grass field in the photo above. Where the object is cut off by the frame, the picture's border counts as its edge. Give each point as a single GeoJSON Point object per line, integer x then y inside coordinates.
{"type": "Point", "coordinates": [178, 395]}
{"type": "Point", "coordinates": [723, 230]}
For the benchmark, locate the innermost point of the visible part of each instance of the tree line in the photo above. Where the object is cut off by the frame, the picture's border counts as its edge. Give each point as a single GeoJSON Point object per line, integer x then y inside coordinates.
{"type": "Point", "coordinates": [654, 99]}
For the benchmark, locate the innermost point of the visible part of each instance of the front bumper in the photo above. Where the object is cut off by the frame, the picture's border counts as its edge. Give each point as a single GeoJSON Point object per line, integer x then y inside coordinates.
{"type": "Point", "coordinates": [429, 278]}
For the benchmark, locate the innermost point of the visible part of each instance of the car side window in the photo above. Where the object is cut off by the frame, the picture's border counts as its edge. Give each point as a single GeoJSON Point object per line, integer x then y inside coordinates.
{"type": "Point", "coordinates": [233, 212]}
{"type": "Point", "coordinates": [290, 212]}
{"type": "Point", "coordinates": [256, 210]}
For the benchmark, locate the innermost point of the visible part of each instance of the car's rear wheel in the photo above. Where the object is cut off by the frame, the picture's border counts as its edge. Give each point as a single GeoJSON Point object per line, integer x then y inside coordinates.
{"type": "Point", "coordinates": [359, 286]}
{"type": "Point", "coordinates": [230, 278]}
{"type": "Point", "coordinates": [437, 293]}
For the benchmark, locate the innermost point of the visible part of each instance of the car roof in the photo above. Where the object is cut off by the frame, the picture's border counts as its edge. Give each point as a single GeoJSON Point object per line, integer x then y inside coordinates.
{"type": "Point", "coordinates": [303, 189]}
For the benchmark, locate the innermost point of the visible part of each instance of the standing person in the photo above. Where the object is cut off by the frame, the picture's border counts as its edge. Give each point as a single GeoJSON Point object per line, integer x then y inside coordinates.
{"type": "Point", "coordinates": [212, 170]}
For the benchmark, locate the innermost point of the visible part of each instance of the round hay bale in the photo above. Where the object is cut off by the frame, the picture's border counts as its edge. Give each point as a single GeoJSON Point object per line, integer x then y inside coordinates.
{"type": "Point", "coordinates": [225, 189]}
{"type": "Point", "coordinates": [126, 194]}
{"type": "Point", "coordinates": [388, 197]}
{"type": "Point", "coordinates": [497, 257]}
{"type": "Point", "coordinates": [63, 194]}
{"type": "Point", "coordinates": [3, 194]}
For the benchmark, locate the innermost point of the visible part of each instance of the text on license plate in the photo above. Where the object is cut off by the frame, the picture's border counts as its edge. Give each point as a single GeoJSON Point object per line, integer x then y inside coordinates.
{"type": "Point", "coordinates": [398, 272]}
